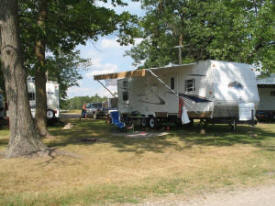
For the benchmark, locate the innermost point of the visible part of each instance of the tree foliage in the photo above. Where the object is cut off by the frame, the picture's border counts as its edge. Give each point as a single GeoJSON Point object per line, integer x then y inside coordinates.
{"type": "Point", "coordinates": [241, 31]}
{"type": "Point", "coordinates": [65, 69]}
{"type": "Point", "coordinates": [59, 26]}
{"type": "Point", "coordinates": [70, 23]}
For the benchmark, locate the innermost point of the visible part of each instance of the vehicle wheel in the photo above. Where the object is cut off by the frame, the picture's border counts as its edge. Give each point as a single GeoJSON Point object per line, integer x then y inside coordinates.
{"type": "Point", "coordinates": [152, 123]}
{"type": "Point", "coordinates": [143, 122]}
{"type": "Point", "coordinates": [95, 116]}
{"type": "Point", "coordinates": [50, 114]}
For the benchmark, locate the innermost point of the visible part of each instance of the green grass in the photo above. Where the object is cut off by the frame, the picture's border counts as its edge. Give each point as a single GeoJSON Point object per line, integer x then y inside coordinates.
{"type": "Point", "coordinates": [73, 111]}
{"type": "Point", "coordinates": [118, 169]}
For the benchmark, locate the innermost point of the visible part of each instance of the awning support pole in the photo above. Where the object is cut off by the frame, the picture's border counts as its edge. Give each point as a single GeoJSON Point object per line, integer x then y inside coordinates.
{"type": "Point", "coordinates": [162, 82]}
{"type": "Point", "coordinates": [106, 88]}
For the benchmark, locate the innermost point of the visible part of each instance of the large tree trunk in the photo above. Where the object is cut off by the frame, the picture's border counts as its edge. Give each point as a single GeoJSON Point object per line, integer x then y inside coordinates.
{"type": "Point", "coordinates": [40, 72]}
{"type": "Point", "coordinates": [24, 138]}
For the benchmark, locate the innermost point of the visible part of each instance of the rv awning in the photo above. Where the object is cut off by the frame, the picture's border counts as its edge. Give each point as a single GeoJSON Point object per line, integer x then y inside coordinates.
{"type": "Point", "coordinates": [138, 73]}
{"type": "Point", "coordinates": [127, 74]}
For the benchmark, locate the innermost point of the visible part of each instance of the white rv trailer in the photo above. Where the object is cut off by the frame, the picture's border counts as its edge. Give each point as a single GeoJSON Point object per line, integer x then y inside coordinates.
{"type": "Point", "coordinates": [52, 89]}
{"type": "Point", "coordinates": [266, 108]}
{"type": "Point", "coordinates": [212, 90]}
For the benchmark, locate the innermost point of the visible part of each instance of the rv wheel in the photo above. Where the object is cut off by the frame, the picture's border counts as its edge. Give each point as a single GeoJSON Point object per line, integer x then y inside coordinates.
{"type": "Point", "coordinates": [143, 122]}
{"type": "Point", "coordinates": [50, 114]}
{"type": "Point", "coordinates": [152, 123]}
{"type": "Point", "coordinates": [95, 116]}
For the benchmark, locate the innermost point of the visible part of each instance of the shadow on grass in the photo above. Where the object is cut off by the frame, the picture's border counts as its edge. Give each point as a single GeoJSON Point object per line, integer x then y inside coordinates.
{"type": "Point", "coordinates": [181, 139]}
{"type": "Point", "coordinates": [4, 141]}
{"type": "Point", "coordinates": [100, 133]}
{"type": "Point", "coordinates": [220, 135]}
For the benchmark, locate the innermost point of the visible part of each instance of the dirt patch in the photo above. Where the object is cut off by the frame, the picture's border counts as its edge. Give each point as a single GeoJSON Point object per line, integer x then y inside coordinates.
{"type": "Point", "coordinates": [264, 196]}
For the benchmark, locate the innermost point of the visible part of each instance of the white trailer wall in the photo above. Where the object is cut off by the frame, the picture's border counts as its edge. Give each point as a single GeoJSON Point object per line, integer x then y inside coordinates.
{"type": "Point", "coordinates": [267, 96]}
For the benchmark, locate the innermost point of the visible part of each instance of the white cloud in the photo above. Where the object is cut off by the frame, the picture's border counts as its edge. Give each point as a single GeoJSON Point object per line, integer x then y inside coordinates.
{"type": "Point", "coordinates": [79, 91]}
{"type": "Point", "coordinates": [90, 87]}
{"type": "Point", "coordinates": [107, 56]}
{"type": "Point", "coordinates": [138, 40]}
{"type": "Point", "coordinates": [91, 91]}
{"type": "Point", "coordinates": [110, 43]}
{"type": "Point", "coordinates": [103, 92]}
{"type": "Point", "coordinates": [133, 7]}
{"type": "Point", "coordinates": [113, 44]}
{"type": "Point", "coordinates": [101, 68]}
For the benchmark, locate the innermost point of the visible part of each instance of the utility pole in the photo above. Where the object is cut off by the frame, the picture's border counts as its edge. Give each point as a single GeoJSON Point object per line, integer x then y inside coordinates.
{"type": "Point", "coordinates": [180, 46]}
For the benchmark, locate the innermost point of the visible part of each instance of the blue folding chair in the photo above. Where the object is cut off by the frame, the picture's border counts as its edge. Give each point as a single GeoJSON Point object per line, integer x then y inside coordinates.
{"type": "Point", "coordinates": [116, 120]}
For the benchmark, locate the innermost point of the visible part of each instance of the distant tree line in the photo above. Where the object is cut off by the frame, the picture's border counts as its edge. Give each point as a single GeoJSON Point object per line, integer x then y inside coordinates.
{"type": "Point", "coordinates": [77, 102]}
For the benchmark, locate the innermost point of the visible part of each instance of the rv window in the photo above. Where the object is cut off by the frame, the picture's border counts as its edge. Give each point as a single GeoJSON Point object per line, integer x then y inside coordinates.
{"type": "Point", "coordinates": [172, 83]}
{"type": "Point", "coordinates": [31, 96]}
{"type": "Point", "coordinates": [272, 93]}
{"type": "Point", "coordinates": [190, 85]}
{"type": "Point", "coordinates": [125, 84]}
{"type": "Point", "coordinates": [125, 96]}
{"type": "Point", "coordinates": [236, 85]}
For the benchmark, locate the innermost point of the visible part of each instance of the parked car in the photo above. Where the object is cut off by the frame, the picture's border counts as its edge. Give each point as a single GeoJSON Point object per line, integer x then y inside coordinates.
{"type": "Point", "coordinates": [94, 110]}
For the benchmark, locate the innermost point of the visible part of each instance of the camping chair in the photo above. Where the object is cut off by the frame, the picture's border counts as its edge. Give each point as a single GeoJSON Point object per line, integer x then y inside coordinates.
{"type": "Point", "coordinates": [116, 120]}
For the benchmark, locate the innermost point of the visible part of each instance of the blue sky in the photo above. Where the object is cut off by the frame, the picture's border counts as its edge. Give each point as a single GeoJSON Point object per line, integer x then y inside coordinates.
{"type": "Point", "coordinates": [106, 56]}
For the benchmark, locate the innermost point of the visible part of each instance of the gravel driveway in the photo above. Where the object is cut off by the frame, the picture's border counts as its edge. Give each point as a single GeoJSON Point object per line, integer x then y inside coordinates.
{"type": "Point", "coordinates": [261, 196]}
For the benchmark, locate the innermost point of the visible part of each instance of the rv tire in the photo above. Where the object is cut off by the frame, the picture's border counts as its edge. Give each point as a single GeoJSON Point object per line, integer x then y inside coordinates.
{"type": "Point", "coordinates": [95, 116]}
{"type": "Point", "coordinates": [152, 123]}
{"type": "Point", "coordinates": [50, 114]}
{"type": "Point", "coordinates": [143, 122]}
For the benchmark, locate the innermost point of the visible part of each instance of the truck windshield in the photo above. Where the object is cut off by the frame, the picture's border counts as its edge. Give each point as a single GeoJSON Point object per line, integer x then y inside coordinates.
{"type": "Point", "coordinates": [97, 105]}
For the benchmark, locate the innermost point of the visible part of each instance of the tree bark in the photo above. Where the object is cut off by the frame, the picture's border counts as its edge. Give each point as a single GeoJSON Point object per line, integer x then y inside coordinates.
{"type": "Point", "coordinates": [24, 139]}
{"type": "Point", "coordinates": [40, 72]}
